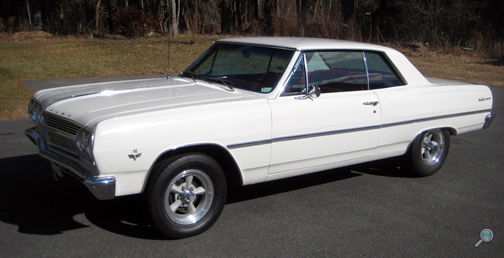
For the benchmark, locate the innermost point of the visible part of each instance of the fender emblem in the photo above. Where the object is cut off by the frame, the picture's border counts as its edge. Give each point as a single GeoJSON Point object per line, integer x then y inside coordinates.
{"type": "Point", "coordinates": [134, 155]}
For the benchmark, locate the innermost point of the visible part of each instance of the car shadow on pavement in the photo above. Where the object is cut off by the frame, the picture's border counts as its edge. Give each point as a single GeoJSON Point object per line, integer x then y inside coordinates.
{"type": "Point", "coordinates": [387, 167]}
{"type": "Point", "coordinates": [37, 204]}
{"type": "Point", "coordinates": [250, 192]}
{"type": "Point", "coordinates": [392, 167]}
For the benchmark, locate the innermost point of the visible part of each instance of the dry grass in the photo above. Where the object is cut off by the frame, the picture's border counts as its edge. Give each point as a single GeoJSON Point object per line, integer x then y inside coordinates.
{"type": "Point", "coordinates": [42, 58]}
{"type": "Point", "coordinates": [73, 57]}
{"type": "Point", "coordinates": [458, 65]}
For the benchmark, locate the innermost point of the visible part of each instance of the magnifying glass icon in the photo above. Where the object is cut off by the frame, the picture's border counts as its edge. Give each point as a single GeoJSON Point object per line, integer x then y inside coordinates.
{"type": "Point", "coordinates": [486, 236]}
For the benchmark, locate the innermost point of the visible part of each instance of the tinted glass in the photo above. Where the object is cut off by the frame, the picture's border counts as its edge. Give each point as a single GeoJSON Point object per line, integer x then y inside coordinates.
{"type": "Point", "coordinates": [337, 71]}
{"type": "Point", "coordinates": [248, 67]}
{"type": "Point", "coordinates": [296, 84]}
{"type": "Point", "coordinates": [381, 74]}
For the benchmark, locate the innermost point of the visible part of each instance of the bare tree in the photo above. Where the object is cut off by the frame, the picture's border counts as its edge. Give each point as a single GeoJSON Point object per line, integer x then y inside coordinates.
{"type": "Point", "coordinates": [97, 15]}
{"type": "Point", "coordinates": [348, 10]}
{"type": "Point", "coordinates": [28, 12]}
{"type": "Point", "coordinates": [238, 14]}
{"type": "Point", "coordinates": [174, 17]}
{"type": "Point", "coordinates": [301, 11]}
{"type": "Point", "coordinates": [37, 14]}
{"type": "Point", "coordinates": [270, 17]}
{"type": "Point", "coordinates": [226, 17]}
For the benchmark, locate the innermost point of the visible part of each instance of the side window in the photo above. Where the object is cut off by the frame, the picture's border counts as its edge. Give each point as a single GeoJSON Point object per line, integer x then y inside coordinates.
{"type": "Point", "coordinates": [381, 74]}
{"type": "Point", "coordinates": [341, 71]}
{"type": "Point", "coordinates": [296, 84]}
{"type": "Point", "coordinates": [337, 71]}
{"type": "Point", "coordinates": [316, 62]}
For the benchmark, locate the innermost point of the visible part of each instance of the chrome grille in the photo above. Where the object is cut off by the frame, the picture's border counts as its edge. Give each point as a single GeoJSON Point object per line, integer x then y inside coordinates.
{"type": "Point", "coordinates": [61, 124]}
{"type": "Point", "coordinates": [62, 133]}
{"type": "Point", "coordinates": [62, 142]}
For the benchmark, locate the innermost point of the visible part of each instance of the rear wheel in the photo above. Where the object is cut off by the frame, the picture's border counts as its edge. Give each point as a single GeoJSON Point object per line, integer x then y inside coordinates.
{"type": "Point", "coordinates": [185, 195]}
{"type": "Point", "coordinates": [429, 151]}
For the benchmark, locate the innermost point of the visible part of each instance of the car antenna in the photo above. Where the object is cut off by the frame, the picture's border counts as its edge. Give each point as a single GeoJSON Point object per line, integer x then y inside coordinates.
{"type": "Point", "coordinates": [169, 51]}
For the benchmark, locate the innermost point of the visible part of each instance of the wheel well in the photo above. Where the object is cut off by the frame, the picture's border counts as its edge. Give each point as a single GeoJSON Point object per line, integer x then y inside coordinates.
{"type": "Point", "coordinates": [451, 130]}
{"type": "Point", "coordinates": [218, 153]}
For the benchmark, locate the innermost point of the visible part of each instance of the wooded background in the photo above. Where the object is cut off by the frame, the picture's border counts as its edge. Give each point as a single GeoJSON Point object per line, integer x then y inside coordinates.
{"type": "Point", "coordinates": [475, 24]}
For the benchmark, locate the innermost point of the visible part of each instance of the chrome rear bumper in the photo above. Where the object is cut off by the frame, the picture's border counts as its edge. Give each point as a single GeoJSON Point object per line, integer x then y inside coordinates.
{"type": "Point", "coordinates": [488, 120]}
{"type": "Point", "coordinates": [102, 187]}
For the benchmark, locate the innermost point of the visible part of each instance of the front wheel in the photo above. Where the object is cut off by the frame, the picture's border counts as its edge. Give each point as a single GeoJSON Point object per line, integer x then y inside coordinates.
{"type": "Point", "coordinates": [429, 151]}
{"type": "Point", "coordinates": [185, 195]}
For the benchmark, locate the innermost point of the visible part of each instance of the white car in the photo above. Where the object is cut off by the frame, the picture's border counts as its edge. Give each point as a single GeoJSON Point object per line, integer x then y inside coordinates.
{"type": "Point", "coordinates": [250, 110]}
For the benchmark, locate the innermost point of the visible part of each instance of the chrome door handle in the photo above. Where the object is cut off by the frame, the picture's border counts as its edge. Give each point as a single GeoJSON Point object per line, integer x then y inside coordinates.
{"type": "Point", "coordinates": [374, 103]}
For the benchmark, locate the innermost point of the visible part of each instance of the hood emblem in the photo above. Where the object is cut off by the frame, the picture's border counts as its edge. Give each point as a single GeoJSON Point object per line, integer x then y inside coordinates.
{"type": "Point", "coordinates": [134, 155]}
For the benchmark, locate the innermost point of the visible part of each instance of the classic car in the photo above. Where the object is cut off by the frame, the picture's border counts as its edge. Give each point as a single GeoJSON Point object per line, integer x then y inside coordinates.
{"type": "Point", "coordinates": [250, 110]}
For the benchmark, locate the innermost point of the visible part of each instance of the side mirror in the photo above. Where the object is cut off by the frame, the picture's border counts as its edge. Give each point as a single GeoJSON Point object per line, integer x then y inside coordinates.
{"type": "Point", "coordinates": [313, 91]}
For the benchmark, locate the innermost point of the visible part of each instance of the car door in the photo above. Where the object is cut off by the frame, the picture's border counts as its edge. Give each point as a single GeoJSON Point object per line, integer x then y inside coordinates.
{"type": "Point", "coordinates": [338, 128]}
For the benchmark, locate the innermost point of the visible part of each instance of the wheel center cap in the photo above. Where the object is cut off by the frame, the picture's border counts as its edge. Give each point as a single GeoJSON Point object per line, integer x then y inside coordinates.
{"type": "Point", "coordinates": [187, 197]}
{"type": "Point", "coordinates": [429, 146]}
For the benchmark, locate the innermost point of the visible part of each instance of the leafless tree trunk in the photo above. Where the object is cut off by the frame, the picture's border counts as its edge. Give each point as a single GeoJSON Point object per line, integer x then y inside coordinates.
{"type": "Point", "coordinates": [301, 10]}
{"type": "Point", "coordinates": [97, 15]}
{"type": "Point", "coordinates": [37, 14]}
{"type": "Point", "coordinates": [29, 13]}
{"type": "Point", "coordinates": [270, 17]}
{"type": "Point", "coordinates": [238, 14]}
{"type": "Point", "coordinates": [111, 9]}
{"type": "Point", "coordinates": [226, 17]}
{"type": "Point", "coordinates": [174, 17]}
{"type": "Point", "coordinates": [257, 10]}
{"type": "Point", "coordinates": [348, 10]}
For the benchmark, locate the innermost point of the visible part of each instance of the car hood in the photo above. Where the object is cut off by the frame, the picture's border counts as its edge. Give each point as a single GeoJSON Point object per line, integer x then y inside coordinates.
{"type": "Point", "coordinates": [91, 103]}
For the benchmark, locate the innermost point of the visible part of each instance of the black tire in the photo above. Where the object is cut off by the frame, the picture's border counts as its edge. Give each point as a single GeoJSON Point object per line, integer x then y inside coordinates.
{"type": "Point", "coordinates": [185, 195]}
{"type": "Point", "coordinates": [429, 151]}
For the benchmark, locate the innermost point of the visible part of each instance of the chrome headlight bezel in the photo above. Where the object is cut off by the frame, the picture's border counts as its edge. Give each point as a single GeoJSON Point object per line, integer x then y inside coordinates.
{"type": "Point", "coordinates": [36, 111]}
{"type": "Point", "coordinates": [84, 140]}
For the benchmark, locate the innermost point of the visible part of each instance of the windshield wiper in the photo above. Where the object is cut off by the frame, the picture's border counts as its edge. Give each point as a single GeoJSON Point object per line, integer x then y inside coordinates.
{"type": "Point", "coordinates": [193, 75]}
{"type": "Point", "coordinates": [222, 80]}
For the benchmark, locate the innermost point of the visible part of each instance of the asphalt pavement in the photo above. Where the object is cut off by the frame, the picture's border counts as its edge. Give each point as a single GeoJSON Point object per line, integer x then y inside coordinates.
{"type": "Point", "coordinates": [369, 210]}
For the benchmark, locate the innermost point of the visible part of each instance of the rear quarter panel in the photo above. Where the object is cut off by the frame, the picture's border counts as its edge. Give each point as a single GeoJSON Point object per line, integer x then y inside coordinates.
{"type": "Point", "coordinates": [409, 110]}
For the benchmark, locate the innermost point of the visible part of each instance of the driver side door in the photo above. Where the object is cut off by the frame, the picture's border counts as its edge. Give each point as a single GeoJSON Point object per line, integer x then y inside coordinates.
{"type": "Point", "coordinates": [338, 128]}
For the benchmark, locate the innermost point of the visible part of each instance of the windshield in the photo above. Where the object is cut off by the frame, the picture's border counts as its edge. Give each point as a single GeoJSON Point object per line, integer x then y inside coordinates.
{"type": "Point", "coordinates": [242, 66]}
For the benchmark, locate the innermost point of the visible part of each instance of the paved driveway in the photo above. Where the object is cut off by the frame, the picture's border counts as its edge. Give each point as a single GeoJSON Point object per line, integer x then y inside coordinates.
{"type": "Point", "coordinates": [369, 210]}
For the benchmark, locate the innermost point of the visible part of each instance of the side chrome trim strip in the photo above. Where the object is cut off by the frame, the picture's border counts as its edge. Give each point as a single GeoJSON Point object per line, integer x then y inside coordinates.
{"type": "Point", "coordinates": [352, 130]}
{"type": "Point", "coordinates": [304, 136]}
{"type": "Point", "coordinates": [435, 118]}
{"type": "Point", "coordinates": [249, 144]}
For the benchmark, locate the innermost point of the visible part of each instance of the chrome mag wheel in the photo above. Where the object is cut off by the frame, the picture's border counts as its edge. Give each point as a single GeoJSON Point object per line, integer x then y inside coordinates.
{"type": "Point", "coordinates": [432, 147]}
{"type": "Point", "coordinates": [428, 152]}
{"type": "Point", "coordinates": [188, 196]}
{"type": "Point", "coordinates": [185, 195]}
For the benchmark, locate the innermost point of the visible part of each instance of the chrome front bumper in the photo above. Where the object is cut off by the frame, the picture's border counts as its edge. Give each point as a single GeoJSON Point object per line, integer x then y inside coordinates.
{"type": "Point", "coordinates": [488, 120]}
{"type": "Point", "coordinates": [103, 188]}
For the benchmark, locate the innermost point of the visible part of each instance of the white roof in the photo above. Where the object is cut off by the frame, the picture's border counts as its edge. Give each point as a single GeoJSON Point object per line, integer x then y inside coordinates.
{"type": "Point", "coordinates": [305, 43]}
{"type": "Point", "coordinates": [405, 67]}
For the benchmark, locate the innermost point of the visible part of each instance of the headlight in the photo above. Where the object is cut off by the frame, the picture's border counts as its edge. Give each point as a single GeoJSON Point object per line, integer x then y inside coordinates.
{"type": "Point", "coordinates": [84, 140]}
{"type": "Point", "coordinates": [36, 111]}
